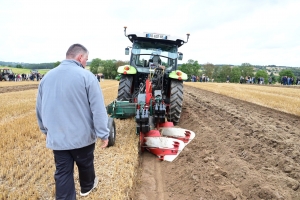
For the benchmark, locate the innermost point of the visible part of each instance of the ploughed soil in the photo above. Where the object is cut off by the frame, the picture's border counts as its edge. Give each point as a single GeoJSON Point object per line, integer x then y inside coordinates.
{"type": "Point", "coordinates": [17, 88]}
{"type": "Point", "coordinates": [241, 151]}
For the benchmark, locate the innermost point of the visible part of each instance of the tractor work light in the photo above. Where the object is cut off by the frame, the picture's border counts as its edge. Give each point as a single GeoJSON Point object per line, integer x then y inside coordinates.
{"type": "Point", "coordinates": [126, 68]}
{"type": "Point", "coordinates": [178, 73]}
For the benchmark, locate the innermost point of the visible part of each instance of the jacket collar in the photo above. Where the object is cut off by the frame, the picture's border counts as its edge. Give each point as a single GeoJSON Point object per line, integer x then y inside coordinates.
{"type": "Point", "coordinates": [73, 61]}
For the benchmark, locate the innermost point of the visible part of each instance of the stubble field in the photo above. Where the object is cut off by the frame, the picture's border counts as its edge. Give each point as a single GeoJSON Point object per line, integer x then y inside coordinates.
{"type": "Point", "coordinates": [244, 149]}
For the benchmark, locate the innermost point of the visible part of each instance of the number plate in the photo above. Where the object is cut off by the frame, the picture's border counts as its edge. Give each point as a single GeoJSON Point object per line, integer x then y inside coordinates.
{"type": "Point", "coordinates": [156, 36]}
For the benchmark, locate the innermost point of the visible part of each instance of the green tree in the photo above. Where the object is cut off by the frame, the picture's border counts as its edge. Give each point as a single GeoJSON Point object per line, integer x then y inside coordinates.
{"type": "Point", "coordinates": [190, 68]}
{"type": "Point", "coordinates": [273, 77]}
{"type": "Point", "coordinates": [262, 74]}
{"type": "Point", "coordinates": [285, 72]}
{"type": "Point", "coordinates": [109, 69]}
{"type": "Point", "coordinates": [19, 66]}
{"type": "Point", "coordinates": [235, 75]}
{"type": "Point", "coordinates": [224, 72]}
{"type": "Point", "coordinates": [208, 70]}
{"type": "Point", "coordinates": [247, 70]}
{"type": "Point", "coordinates": [95, 65]}
{"type": "Point", "coordinates": [216, 74]}
{"type": "Point", "coordinates": [56, 63]}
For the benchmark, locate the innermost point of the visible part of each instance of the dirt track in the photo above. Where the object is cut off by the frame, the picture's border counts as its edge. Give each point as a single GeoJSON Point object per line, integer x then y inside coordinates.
{"type": "Point", "coordinates": [17, 88]}
{"type": "Point", "coordinates": [241, 151]}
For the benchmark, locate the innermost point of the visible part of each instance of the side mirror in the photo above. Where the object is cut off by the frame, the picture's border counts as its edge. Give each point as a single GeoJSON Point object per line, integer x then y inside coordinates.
{"type": "Point", "coordinates": [126, 51]}
{"type": "Point", "coordinates": [180, 56]}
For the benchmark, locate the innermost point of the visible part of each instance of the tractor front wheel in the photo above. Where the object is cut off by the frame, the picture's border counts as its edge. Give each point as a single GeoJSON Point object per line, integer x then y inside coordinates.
{"type": "Point", "coordinates": [176, 99]}
{"type": "Point", "coordinates": [125, 85]}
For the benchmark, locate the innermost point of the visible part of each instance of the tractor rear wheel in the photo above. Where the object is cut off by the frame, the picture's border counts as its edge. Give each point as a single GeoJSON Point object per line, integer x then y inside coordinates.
{"type": "Point", "coordinates": [176, 99]}
{"type": "Point", "coordinates": [112, 132]}
{"type": "Point", "coordinates": [125, 85]}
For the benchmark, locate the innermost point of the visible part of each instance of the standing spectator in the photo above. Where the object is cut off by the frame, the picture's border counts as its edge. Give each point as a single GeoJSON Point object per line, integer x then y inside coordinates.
{"type": "Point", "coordinates": [292, 80]}
{"type": "Point", "coordinates": [71, 113]}
{"type": "Point", "coordinates": [241, 79]}
{"type": "Point", "coordinates": [270, 80]}
{"type": "Point", "coordinates": [227, 79]}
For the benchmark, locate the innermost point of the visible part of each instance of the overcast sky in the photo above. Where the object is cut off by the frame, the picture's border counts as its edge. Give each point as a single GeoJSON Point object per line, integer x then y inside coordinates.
{"type": "Point", "coordinates": [259, 32]}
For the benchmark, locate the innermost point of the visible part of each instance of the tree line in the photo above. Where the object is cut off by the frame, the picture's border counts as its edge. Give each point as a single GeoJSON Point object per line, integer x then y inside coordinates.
{"type": "Point", "coordinates": [217, 72]}
{"type": "Point", "coordinates": [220, 73]}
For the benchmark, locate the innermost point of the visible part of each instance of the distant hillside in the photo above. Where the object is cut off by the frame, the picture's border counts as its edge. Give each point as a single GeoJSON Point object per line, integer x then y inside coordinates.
{"type": "Point", "coordinates": [25, 71]}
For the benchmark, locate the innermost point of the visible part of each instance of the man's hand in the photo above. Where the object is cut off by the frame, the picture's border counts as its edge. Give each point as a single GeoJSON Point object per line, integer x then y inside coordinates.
{"type": "Point", "coordinates": [104, 143]}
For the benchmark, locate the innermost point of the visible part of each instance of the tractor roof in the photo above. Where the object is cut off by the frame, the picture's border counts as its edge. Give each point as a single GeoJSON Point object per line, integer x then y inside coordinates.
{"type": "Point", "coordinates": [158, 37]}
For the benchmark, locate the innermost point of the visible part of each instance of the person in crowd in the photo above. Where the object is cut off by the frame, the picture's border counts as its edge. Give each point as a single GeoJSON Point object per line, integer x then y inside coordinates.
{"type": "Point", "coordinates": [270, 80]}
{"type": "Point", "coordinates": [241, 79]}
{"type": "Point", "coordinates": [227, 79]}
{"type": "Point", "coordinates": [71, 113]}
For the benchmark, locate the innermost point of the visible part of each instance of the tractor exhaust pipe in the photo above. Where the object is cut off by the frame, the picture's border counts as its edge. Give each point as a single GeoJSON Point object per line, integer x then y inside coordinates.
{"type": "Point", "coordinates": [187, 39]}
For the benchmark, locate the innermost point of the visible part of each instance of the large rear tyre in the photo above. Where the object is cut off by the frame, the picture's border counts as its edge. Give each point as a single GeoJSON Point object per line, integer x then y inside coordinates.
{"type": "Point", "coordinates": [176, 99]}
{"type": "Point", "coordinates": [125, 85]}
{"type": "Point", "coordinates": [112, 132]}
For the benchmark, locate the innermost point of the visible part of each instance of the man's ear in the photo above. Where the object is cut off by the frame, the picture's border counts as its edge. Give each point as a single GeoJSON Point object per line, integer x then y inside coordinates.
{"type": "Point", "coordinates": [78, 57]}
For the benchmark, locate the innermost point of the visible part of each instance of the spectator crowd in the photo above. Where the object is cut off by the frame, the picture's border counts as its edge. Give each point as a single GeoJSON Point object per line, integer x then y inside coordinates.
{"type": "Point", "coordinates": [23, 77]}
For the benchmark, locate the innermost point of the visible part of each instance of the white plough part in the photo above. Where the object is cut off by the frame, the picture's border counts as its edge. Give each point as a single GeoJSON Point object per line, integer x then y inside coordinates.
{"type": "Point", "coordinates": [170, 144]}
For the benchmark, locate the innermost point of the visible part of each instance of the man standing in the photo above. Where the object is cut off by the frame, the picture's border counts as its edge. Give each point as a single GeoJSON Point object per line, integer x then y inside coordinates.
{"type": "Point", "coordinates": [71, 113]}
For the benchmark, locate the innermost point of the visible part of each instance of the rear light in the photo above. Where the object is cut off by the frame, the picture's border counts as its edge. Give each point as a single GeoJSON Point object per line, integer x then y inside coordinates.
{"type": "Point", "coordinates": [124, 72]}
{"type": "Point", "coordinates": [126, 68]}
{"type": "Point", "coordinates": [178, 73]}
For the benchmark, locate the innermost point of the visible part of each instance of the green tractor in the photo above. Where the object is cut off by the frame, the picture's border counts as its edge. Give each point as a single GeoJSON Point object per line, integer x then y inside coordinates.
{"type": "Point", "coordinates": [154, 56]}
{"type": "Point", "coordinates": [151, 90]}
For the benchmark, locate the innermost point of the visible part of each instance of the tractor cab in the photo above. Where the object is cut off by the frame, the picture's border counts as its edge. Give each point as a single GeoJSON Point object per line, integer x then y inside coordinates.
{"type": "Point", "coordinates": [149, 50]}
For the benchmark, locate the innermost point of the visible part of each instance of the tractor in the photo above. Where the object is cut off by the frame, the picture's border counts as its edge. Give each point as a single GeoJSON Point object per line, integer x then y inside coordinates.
{"type": "Point", "coordinates": [151, 90]}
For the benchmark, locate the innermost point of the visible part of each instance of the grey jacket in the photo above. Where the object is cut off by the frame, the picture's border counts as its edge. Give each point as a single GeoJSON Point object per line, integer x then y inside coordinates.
{"type": "Point", "coordinates": [70, 107]}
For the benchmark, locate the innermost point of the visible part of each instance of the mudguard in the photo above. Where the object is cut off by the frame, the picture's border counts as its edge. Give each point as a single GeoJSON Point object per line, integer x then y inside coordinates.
{"type": "Point", "coordinates": [126, 69]}
{"type": "Point", "coordinates": [177, 74]}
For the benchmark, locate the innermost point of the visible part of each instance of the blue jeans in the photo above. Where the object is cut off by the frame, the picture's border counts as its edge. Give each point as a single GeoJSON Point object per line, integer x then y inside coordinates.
{"type": "Point", "coordinates": [64, 174]}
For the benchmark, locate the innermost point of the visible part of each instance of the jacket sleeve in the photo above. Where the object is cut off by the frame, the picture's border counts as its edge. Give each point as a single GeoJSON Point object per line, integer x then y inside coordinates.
{"type": "Point", "coordinates": [39, 110]}
{"type": "Point", "coordinates": [97, 106]}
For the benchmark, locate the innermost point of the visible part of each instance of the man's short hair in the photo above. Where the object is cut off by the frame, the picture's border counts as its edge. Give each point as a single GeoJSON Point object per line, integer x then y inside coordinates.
{"type": "Point", "coordinates": [75, 49]}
